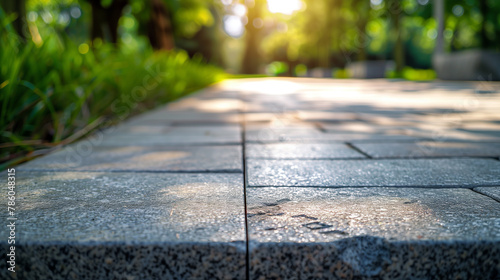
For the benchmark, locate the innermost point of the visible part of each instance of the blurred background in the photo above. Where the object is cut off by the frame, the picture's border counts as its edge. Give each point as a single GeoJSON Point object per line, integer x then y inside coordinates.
{"type": "Point", "coordinates": [71, 66]}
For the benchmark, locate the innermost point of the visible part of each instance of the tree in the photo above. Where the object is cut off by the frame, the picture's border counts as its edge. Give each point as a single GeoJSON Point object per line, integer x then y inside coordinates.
{"type": "Point", "coordinates": [253, 37]}
{"type": "Point", "coordinates": [160, 33]}
{"type": "Point", "coordinates": [361, 8]}
{"type": "Point", "coordinates": [17, 7]}
{"type": "Point", "coordinates": [395, 11]}
{"type": "Point", "coordinates": [167, 23]}
{"type": "Point", "coordinates": [105, 18]}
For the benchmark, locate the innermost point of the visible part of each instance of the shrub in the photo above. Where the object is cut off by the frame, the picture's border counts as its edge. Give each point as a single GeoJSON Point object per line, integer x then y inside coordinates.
{"type": "Point", "coordinates": [50, 91]}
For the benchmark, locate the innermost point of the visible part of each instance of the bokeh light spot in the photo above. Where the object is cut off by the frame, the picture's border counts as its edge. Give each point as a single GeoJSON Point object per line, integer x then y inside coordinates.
{"type": "Point", "coordinates": [239, 10]}
{"type": "Point", "coordinates": [83, 48]}
{"type": "Point", "coordinates": [458, 10]}
{"type": "Point", "coordinates": [258, 23]}
{"type": "Point", "coordinates": [286, 7]}
{"type": "Point", "coordinates": [75, 12]}
{"type": "Point", "coordinates": [233, 26]}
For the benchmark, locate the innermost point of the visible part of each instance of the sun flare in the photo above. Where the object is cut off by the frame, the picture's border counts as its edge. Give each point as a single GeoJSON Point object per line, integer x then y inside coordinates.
{"type": "Point", "coordinates": [286, 7]}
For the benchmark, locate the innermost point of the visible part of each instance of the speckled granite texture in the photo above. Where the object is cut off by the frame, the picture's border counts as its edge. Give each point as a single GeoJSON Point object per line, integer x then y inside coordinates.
{"type": "Point", "coordinates": [176, 260]}
{"type": "Point", "coordinates": [372, 233]}
{"type": "Point", "coordinates": [301, 151]}
{"type": "Point", "coordinates": [429, 149]}
{"type": "Point", "coordinates": [460, 172]}
{"type": "Point", "coordinates": [96, 225]}
{"type": "Point", "coordinates": [493, 192]}
{"type": "Point", "coordinates": [176, 135]}
{"type": "Point", "coordinates": [328, 214]}
{"type": "Point", "coordinates": [136, 158]}
{"type": "Point", "coordinates": [274, 179]}
{"type": "Point", "coordinates": [375, 258]}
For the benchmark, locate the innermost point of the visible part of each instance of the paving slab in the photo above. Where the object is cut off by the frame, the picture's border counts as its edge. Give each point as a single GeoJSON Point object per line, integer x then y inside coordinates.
{"type": "Point", "coordinates": [282, 125]}
{"type": "Point", "coordinates": [159, 129]}
{"type": "Point", "coordinates": [176, 135]}
{"type": "Point", "coordinates": [291, 214]}
{"type": "Point", "coordinates": [85, 157]}
{"type": "Point", "coordinates": [162, 196]}
{"type": "Point", "coordinates": [164, 117]}
{"type": "Point", "coordinates": [301, 151]}
{"type": "Point", "coordinates": [493, 192]}
{"type": "Point", "coordinates": [284, 117]}
{"type": "Point", "coordinates": [354, 126]}
{"type": "Point", "coordinates": [451, 135]}
{"type": "Point", "coordinates": [372, 233]}
{"type": "Point", "coordinates": [408, 127]}
{"type": "Point", "coordinates": [273, 134]}
{"type": "Point", "coordinates": [315, 115]}
{"type": "Point", "coordinates": [311, 134]}
{"type": "Point", "coordinates": [494, 133]}
{"type": "Point", "coordinates": [481, 125]}
{"type": "Point", "coordinates": [460, 172]}
{"type": "Point", "coordinates": [367, 137]}
{"type": "Point", "coordinates": [220, 104]}
{"type": "Point", "coordinates": [128, 225]}
{"type": "Point", "coordinates": [429, 149]}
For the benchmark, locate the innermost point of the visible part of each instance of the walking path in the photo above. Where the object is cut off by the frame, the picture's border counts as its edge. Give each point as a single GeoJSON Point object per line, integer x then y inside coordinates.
{"type": "Point", "coordinates": [274, 179]}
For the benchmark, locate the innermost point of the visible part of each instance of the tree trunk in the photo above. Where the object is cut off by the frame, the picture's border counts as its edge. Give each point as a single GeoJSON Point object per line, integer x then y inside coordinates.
{"type": "Point", "coordinates": [362, 7]}
{"type": "Point", "coordinates": [395, 11]}
{"type": "Point", "coordinates": [439, 16]}
{"type": "Point", "coordinates": [97, 22]}
{"type": "Point", "coordinates": [325, 41]}
{"type": "Point", "coordinates": [160, 33]}
{"type": "Point", "coordinates": [251, 58]}
{"type": "Point", "coordinates": [114, 12]}
{"type": "Point", "coordinates": [105, 20]}
{"type": "Point", "coordinates": [19, 8]}
{"type": "Point", "coordinates": [399, 55]}
{"type": "Point", "coordinates": [362, 56]}
{"type": "Point", "coordinates": [483, 7]}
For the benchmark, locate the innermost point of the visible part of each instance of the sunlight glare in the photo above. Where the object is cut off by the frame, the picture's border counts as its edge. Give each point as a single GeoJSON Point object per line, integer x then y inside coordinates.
{"type": "Point", "coordinates": [286, 7]}
{"type": "Point", "coordinates": [233, 26]}
{"type": "Point", "coordinates": [240, 10]}
{"type": "Point", "coordinates": [271, 87]}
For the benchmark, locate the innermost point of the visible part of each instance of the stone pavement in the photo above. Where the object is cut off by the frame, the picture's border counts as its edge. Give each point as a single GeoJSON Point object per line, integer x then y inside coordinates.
{"type": "Point", "coordinates": [274, 179]}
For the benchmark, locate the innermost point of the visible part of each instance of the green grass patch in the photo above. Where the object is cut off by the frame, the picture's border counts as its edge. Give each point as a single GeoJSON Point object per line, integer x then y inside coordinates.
{"type": "Point", "coordinates": [412, 74]}
{"type": "Point", "coordinates": [53, 91]}
{"type": "Point", "coordinates": [245, 76]}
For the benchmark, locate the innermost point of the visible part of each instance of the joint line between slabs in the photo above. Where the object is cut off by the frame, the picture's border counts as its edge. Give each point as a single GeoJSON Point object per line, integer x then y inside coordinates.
{"type": "Point", "coordinates": [247, 252]}
{"type": "Point", "coordinates": [350, 145]}
{"type": "Point", "coordinates": [478, 192]}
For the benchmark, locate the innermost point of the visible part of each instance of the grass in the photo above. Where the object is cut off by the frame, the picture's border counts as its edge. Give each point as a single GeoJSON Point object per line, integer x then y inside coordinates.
{"type": "Point", "coordinates": [56, 92]}
{"type": "Point", "coordinates": [246, 76]}
{"type": "Point", "coordinates": [412, 74]}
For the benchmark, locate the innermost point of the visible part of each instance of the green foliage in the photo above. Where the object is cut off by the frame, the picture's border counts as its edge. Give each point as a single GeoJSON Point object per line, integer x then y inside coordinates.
{"type": "Point", "coordinates": [246, 76]}
{"type": "Point", "coordinates": [362, 29]}
{"type": "Point", "coordinates": [50, 91]}
{"type": "Point", "coordinates": [412, 74]}
{"type": "Point", "coordinates": [188, 16]}
{"type": "Point", "coordinates": [276, 68]}
{"type": "Point", "coordinates": [300, 70]}
{"type": "Point", "coordinates": [191, 16]}
{"type": "Point", "coordinates": [341, 74]}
